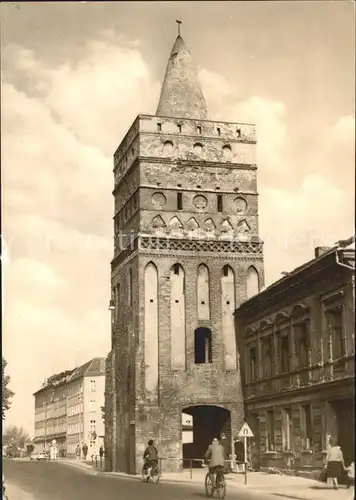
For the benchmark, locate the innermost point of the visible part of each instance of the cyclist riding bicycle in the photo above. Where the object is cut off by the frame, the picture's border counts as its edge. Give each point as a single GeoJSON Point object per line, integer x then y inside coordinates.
{"type": "Point", "coordinates": [150, 456]}
{"type": "Point", "coordinates": [215, 456]}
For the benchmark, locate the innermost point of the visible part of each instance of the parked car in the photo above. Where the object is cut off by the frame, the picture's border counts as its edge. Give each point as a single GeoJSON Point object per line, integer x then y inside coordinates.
{"type": "Point", "coordinates": [41, 456]}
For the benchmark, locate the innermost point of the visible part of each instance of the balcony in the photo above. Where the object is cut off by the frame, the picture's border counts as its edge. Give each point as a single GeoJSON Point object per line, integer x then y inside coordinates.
{"type": "Point", "coordinates": [303, 377]}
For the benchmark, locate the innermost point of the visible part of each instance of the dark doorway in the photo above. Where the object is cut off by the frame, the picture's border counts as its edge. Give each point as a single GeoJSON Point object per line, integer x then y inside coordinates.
{"type": "Point", "coordinates": [240, 451]}
{"type": "Point", "coordinates": [345, 416]}
{"type": "Point", "coordinates": [203, 352]}
{"type": "Point", "coordinates": [208, 422]}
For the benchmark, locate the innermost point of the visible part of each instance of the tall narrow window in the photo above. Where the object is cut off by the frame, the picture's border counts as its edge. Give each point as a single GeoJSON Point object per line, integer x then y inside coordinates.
{"type": "Point", "coordinates": [284, 352]}
{"type": "Point", "coordinates": [203, 346]}
{"type": "Point", "coordinates": [267, 356]}
{"type": "Point", "coordinates": [159, 127]}
{"type": "Point", "coordinates": [253, 363]}
{"type": "Point", "coordinates": [287, 429]}
{"type": "Point", "coordinates": [203, 293]}
{"type": "Point", "coordinates": [270, 430]}
{"type": "Point", "coordinates": [218, 131]}
{"type": "Point", "coordinates": [301, 339]}
{"type": "Point", "coordinates": [179, 201]}
{"type": "Point", "coordinates": [177, 318]}
{"type": "Point", "coordinates": [92, 386]}
{"type": "Point", "coordinates": [219, 203]}
{"type": "Point", "coordinates": [307, 426]}
{"type": "Point", "coordinates": [179, 128]}
{"type": "Point", "coordinates": [252, 282]}
{"type": "Point", "coordinates": [199, 130]}
{"type": "Point", "coordinates": [335, 326]}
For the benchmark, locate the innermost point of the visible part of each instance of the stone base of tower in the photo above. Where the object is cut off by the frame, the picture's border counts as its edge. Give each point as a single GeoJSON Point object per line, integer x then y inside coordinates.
{"type": "Point", "coordinates": [209, 421]}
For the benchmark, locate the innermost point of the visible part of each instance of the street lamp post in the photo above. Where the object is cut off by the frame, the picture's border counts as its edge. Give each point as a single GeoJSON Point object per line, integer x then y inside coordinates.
{"type": "Point", "coordinates": [113, 361]}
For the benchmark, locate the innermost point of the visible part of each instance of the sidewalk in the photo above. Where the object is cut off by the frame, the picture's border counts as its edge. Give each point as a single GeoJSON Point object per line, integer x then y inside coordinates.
{"type": "Point", "coordinates": [273, 484]}
{"type": "Point", "coordinates": [13, 492]}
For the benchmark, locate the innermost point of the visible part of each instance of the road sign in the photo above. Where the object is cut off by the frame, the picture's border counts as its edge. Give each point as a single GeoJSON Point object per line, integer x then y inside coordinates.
{"type": "Point", "coordinates": [245, 431]}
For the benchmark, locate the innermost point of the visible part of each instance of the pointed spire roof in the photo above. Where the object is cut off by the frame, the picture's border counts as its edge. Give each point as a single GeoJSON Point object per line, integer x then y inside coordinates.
{"type": "Point", "coordinates": [181, 95]}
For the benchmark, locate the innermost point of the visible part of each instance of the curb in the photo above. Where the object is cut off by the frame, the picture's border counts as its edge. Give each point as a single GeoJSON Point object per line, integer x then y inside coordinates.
{"type": "Point", "coordinates": [86, 470]}
{"type": "Point", "coordinates": [171, 480]}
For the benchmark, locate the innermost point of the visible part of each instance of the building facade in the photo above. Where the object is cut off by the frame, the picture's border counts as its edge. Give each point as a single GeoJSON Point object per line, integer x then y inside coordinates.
{"type": "Point", "coordinates": [187, 253]}
{"type": "Point", "coordinates": [85, 400]}
{"type": "Point", "coordinates": [297, 347]}
{"type": "Point", "coordinates": [68, 409]}
{"type": "Point", "coordinates": [51, 413]}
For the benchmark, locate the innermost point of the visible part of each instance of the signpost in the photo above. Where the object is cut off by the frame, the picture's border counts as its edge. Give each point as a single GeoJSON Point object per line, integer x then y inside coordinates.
{"type": "Point", "coordinates": [245, 432]}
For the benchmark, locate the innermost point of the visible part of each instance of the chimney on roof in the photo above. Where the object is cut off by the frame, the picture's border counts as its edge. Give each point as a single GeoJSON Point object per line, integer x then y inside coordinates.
{"type": "Point", "coordinates": [320, 251]}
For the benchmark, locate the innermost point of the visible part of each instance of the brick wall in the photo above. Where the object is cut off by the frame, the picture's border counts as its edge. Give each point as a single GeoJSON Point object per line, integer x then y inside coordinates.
{"type": "Point", "coordinates": [148, 177]}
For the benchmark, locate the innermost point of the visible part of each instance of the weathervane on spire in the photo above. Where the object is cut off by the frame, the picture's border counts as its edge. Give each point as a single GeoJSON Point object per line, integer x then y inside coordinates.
{"type": "Point", "coordinates": [179, 23]}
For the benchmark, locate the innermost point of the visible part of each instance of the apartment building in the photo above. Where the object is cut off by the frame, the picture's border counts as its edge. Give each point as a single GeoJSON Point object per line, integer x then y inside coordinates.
{"type": "Point", "coordinates": [85, 398]}
{"type": "Point", "coordinates": [68, 409]}
{"type": "Point", "coordinates": [51, 412]}
{"type": "Point", "coordinates": [297, 350]}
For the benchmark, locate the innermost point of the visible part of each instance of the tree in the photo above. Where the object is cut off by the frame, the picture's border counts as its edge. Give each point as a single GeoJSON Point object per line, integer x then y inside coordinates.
{"type": "Point", "coordinates": [7, 393]}
{"type": "Point", "coordinates": [14, 438]}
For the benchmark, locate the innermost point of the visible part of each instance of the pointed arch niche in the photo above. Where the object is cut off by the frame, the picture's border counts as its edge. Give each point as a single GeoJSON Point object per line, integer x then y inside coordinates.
{"type": "Point", "coordinates": [253, 282]}
{"type": "Point", "coordinates": [151, 329]}
{"type": "Point", "coordinates": [177, 280]}
{"type": "Point", "coordinates": [228, 308]}
{"type": "Point", "coordinates": [203, 292]}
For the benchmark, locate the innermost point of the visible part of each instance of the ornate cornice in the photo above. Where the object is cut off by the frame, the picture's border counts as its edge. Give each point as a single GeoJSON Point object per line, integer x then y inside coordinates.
{"type": "Point", "coordinates": [213, 250]}
{"type": "Point", "coordinates": [200, 163]}
{"type": "Point", "coordinates": [217, 246]}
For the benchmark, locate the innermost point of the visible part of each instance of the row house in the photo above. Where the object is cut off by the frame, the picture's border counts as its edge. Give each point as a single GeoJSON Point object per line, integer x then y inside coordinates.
{"type": "Point", "coordinates": [68, 408]}
{"type": "Point", "coordinates": [297, 351]}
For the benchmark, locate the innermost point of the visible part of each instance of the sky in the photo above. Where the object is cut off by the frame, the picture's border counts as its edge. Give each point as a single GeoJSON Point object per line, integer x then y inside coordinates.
{"type": "Point", "coordinates": [74, 77]}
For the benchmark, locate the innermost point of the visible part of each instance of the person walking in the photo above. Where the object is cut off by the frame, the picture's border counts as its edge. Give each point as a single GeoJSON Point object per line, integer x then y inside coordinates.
{"type": "Point", "coordinates": [335, 466]}
{"type": "Point", "coordinates": [85, 451]}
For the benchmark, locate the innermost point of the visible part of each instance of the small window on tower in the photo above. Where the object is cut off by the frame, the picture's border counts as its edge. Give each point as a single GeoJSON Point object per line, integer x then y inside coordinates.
{"type": "Point", "coordinates": [159, 127]}
{"type": "Point", "coordinates": [203, 346]}
{"type": "Point", "coordinates": [238, 132]}
{"type": "Point", "coordinates": [218, 131]}
{"type": "Point", "coordinates": [219, 203]}
{"type": "Point", "coordinates": [179, 127]}
{"type": "Point", "coordinates": [199, 129]}
{"type": "Point", "coordinates": [179, 201]}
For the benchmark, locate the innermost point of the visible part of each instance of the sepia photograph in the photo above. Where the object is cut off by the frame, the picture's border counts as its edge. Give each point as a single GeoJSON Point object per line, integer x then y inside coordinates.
{"type": "Point", "coordinates": [178, 250]}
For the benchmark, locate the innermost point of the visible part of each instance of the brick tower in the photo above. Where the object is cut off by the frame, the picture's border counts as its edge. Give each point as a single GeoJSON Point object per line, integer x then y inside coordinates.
{"type": "Point", "coordinates": [187, 253]}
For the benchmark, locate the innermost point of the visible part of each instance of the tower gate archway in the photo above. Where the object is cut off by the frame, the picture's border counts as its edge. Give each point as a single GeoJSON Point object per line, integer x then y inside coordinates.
{"type": "Point", "coordinates": [209, 422]}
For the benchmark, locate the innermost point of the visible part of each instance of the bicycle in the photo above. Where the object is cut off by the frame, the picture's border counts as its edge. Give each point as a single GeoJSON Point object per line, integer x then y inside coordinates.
{"type": "Point", "coordinates": [215, 481]}
{"type": "Point", "coordinates": [151, 474]}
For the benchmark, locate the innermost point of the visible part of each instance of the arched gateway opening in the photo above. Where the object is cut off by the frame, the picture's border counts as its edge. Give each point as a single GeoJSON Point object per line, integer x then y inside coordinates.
{"type": "Point", "coordinates": [208, 422]}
